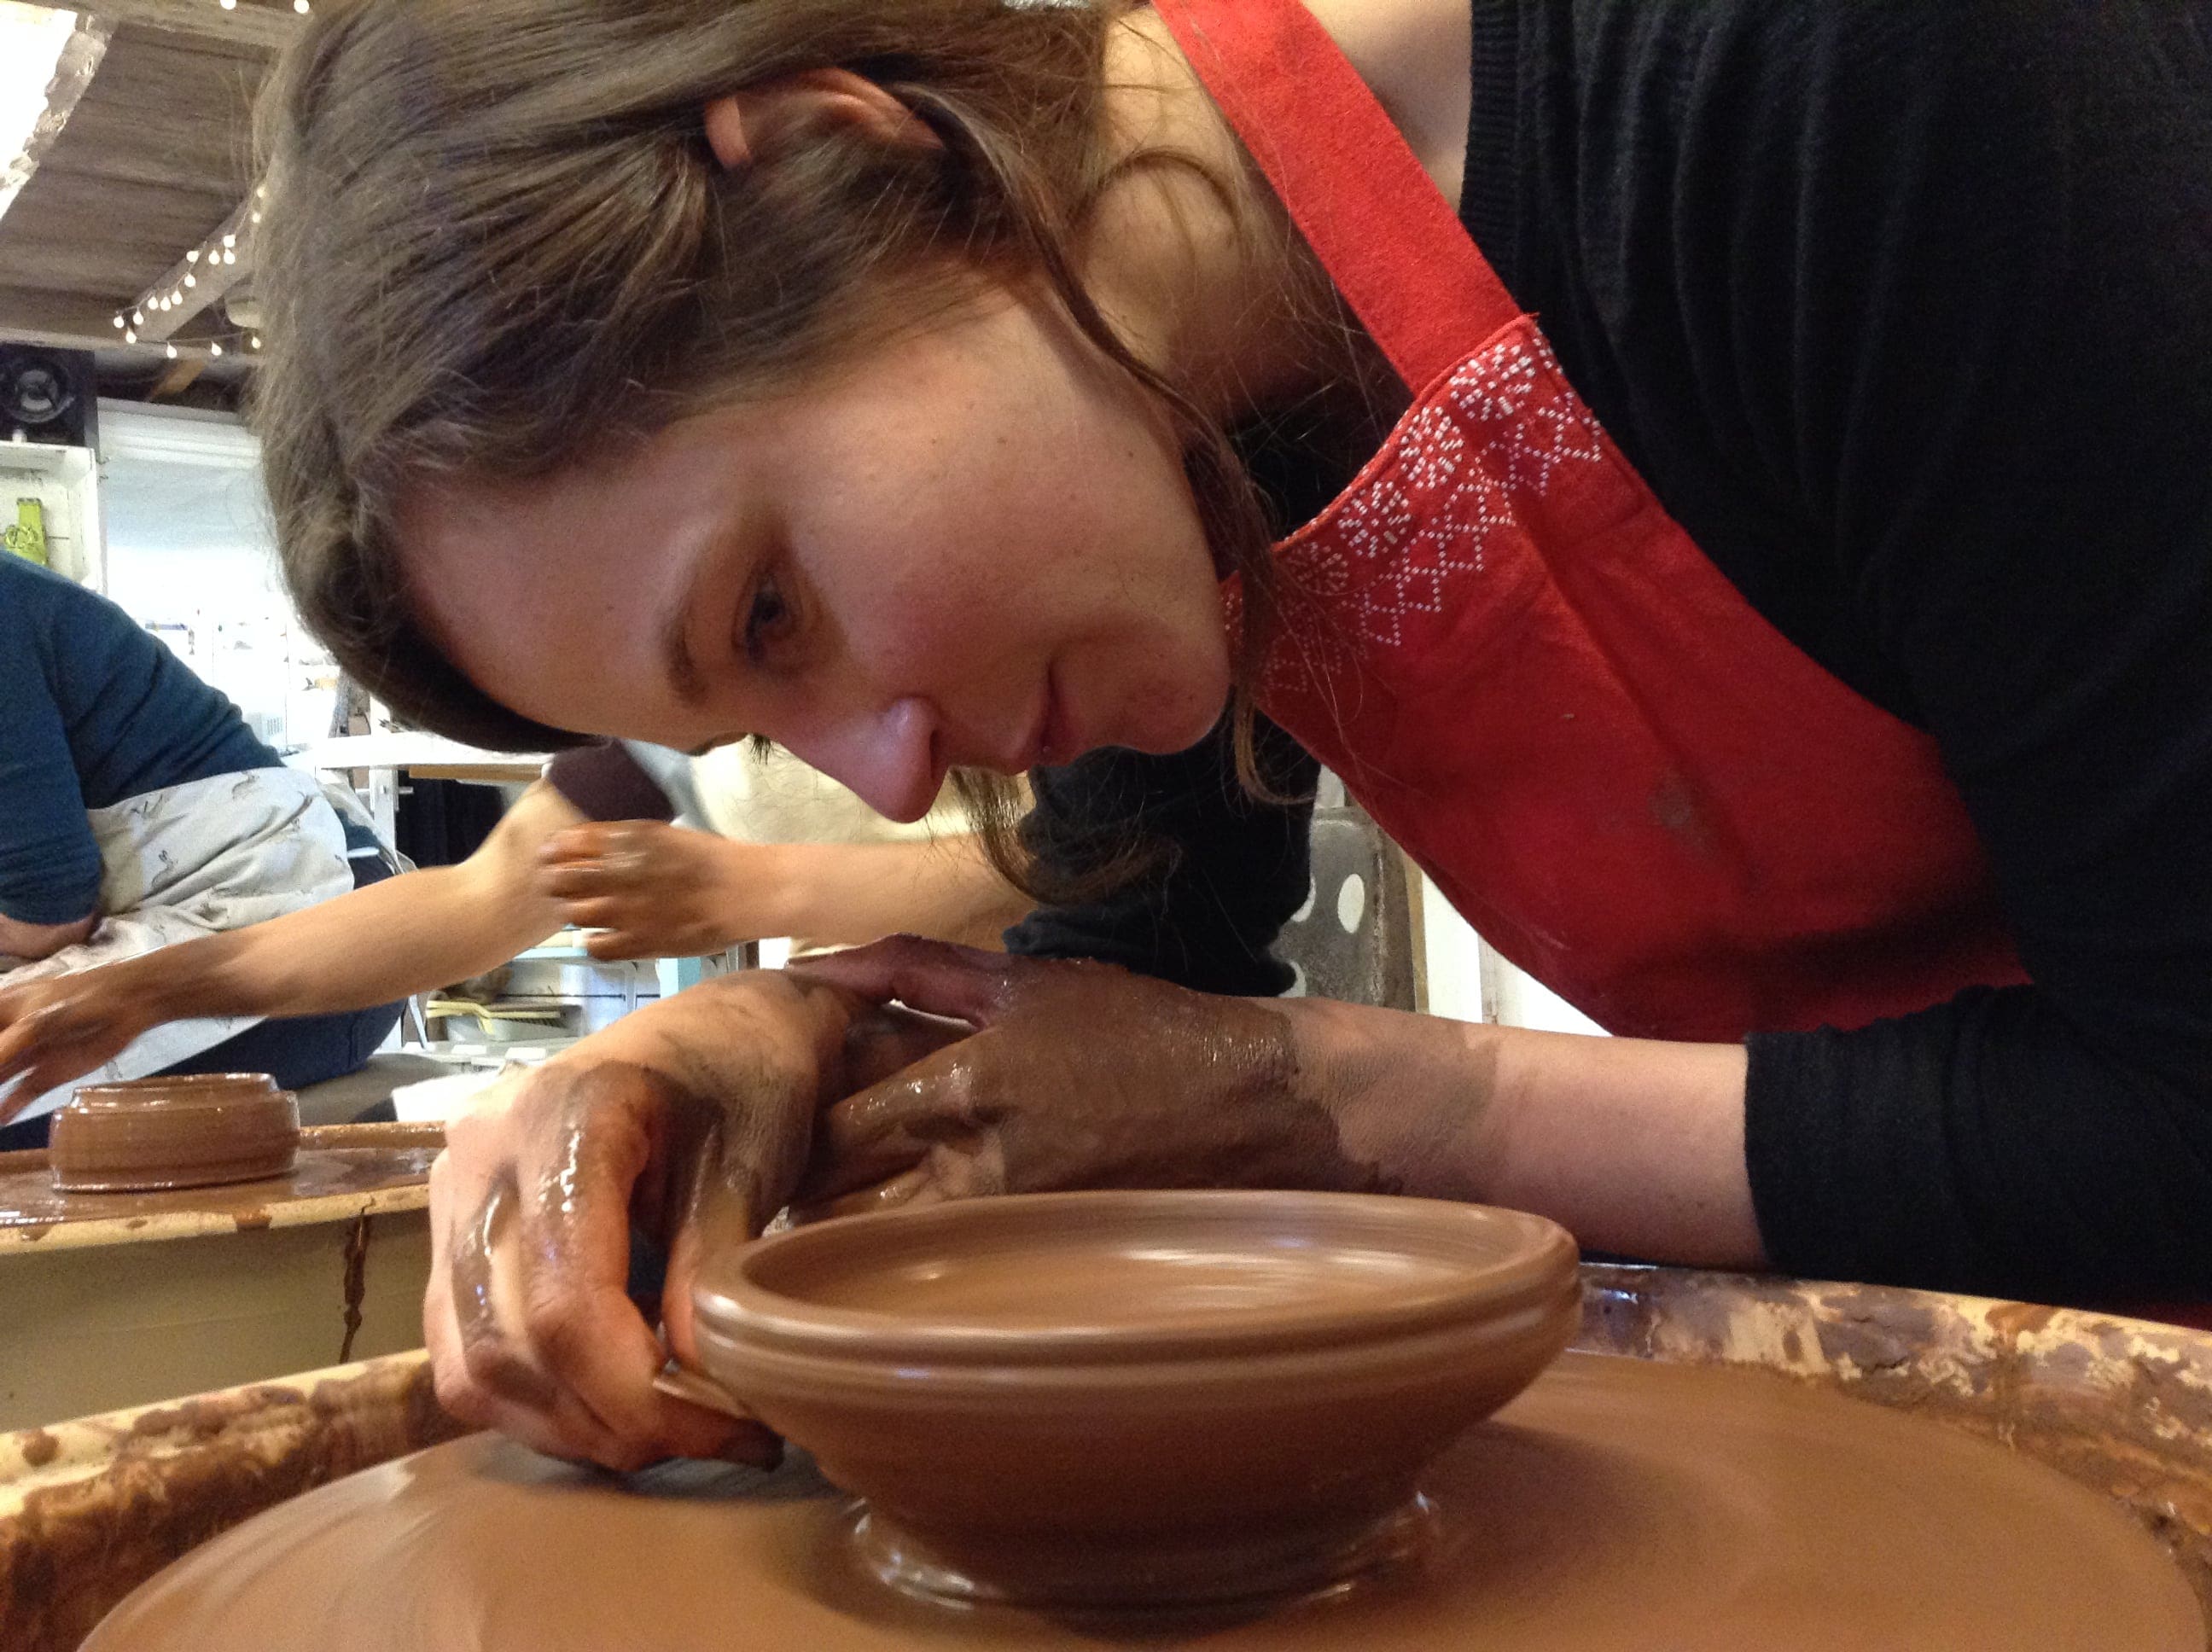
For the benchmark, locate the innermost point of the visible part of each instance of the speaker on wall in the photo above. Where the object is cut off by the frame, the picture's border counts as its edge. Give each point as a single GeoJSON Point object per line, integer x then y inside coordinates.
{"type": "Point", "coordinates": [48, 396]}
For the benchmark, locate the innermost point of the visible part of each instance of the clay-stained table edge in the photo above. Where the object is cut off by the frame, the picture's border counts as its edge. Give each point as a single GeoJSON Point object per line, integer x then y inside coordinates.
{"type": "Point", "coordinates": [91, 1508]}
{"type": "Point", "coordinates": [2123, 1406]}
{"type": "Point", "coordinates": [410, 1195]}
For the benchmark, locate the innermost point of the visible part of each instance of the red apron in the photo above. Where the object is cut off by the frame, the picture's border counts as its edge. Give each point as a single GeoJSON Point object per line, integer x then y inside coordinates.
{"type": "Point", "coordinates": [1628, 780]}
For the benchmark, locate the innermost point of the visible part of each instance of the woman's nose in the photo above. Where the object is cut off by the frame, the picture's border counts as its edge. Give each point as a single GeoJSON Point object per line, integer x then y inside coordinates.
{"type": "Point", "coordinates": [888, 756]}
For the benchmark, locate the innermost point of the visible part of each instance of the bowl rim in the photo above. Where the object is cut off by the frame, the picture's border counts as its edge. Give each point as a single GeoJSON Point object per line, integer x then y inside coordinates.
{"type": "Point", "coordinates": [733, 1303]}
{"type": "Point", "coordinates": [201, 1090]}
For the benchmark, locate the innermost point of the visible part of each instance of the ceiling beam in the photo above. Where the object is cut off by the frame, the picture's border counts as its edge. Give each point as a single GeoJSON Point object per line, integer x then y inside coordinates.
{"type": "Point", "coordinates": [208, 276]}
{"type": "Point", "coordinates": [59, 321]}
{"type": "Point", "coordinates": [250, 22]}
{"type": "Point", "coordinates": [78, 62]}
{"type": "Point", "coordinates": [178, 378]}
{"type": "Point", "coordinates": [29, 316]}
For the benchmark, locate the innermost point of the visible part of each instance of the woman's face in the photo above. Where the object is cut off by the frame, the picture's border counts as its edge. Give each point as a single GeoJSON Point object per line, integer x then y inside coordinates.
{"type": "Point", "coordinates": [974, 547]}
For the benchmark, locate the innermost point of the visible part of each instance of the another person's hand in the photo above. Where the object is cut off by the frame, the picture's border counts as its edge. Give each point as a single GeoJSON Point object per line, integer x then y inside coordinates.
{"type": "Point", "coordinates": [1078, 1075]}
{"type": "Point", "coordinates": [656, 892]}
{"type": "Point", "coordinates": [688, 1122]}
{"type": "Point", "coordinates": [60, 1028]}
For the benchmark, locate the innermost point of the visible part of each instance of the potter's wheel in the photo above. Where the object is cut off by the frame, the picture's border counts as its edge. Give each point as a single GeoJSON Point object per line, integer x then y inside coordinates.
{"type": "Point", "coordinates": [361, 1166]}
{"type": "Point", "coordinates": [1617, 1504]}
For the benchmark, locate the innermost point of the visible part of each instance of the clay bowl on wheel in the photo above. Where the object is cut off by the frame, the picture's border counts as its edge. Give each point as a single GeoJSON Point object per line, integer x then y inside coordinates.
{"type": "Point", "coordinates": [1104, 1399]}
{"type": "Point", "coordinates": [154, 1134]}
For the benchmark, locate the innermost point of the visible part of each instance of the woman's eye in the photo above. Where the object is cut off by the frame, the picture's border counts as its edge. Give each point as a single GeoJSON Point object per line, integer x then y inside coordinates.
{"type": "Point", "coordinates": [767, 617]}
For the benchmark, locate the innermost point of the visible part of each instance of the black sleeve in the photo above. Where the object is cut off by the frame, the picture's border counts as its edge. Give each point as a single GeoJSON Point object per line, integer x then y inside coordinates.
{"type": "Point", "coordinates": [1222, 870]}
{"type": "Point", "coordinates": [1906, 311]}
{"type": "Point", "coordinates": [603, 781]}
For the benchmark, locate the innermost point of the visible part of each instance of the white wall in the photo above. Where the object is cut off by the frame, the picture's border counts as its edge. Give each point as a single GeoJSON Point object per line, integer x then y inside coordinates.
{"type": "Point", "coordinates": [1469, 981]}
{"type": "Point", "coordinates": [191, 556]}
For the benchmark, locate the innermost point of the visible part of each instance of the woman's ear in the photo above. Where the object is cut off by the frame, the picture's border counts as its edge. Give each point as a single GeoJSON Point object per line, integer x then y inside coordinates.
{"type": "Point", "coordinates": [745, 128]}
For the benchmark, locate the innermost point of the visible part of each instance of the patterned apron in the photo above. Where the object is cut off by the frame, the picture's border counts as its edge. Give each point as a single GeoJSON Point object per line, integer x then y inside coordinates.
{"type": "Point", "coordinates": [1621, 773]}
{"type": "Point", "coordinates": [195, 860]}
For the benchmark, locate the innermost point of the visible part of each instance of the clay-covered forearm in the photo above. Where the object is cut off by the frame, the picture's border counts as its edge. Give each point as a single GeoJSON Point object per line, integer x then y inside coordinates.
{"type": "Point", "coordinates": [848, 894]}
{"type": "Point", "coordinates": [1635, 1147]}
{"type": "Point", "coordinates": [726, 1038]}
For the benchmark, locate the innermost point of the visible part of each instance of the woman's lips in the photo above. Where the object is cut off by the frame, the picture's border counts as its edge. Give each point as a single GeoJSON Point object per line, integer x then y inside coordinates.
{"type": "Point", "coordinates": [1053, 738]}
{"type": "Point", "coordinates": [1063, 741]}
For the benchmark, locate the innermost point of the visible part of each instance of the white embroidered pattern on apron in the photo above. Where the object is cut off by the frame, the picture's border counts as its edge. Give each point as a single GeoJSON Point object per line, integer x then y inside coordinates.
{"type": "Point", "coordinates": [1458, 469]}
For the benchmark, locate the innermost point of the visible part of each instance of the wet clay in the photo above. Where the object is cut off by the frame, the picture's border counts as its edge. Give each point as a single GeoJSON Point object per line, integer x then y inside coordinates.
{"type": "Point", "coordinates": [1083, 1075]}
{"type": "Point", "coordinates": [1618, 1504]}
{"type": "Point", "coordinates": [1098, 1400]}
{"type": "Point", "coordinates": [70, 1549]}
{"type": "Point", "coordinates": [1059, 1277]}
{"type": "Point", "coordinates": [2121, 1406]}
{"type": "Point", "coordinates": [337, 1161]}
{"type": "Point", "coordinates": [1031, 1290]}
{"type": "Point", "coordinates": [154, 1135]}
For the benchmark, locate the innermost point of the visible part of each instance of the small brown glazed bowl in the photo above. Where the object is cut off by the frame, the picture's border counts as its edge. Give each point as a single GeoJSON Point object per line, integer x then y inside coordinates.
{"type": "Point", "coordinates": [1098, 1400]}
{"type": "Point", "coordinates": [158, 1134]}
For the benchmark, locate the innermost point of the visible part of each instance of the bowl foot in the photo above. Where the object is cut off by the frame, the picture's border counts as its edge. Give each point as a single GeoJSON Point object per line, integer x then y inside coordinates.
{"type": "Point", "coordinates": [1087, 1572]}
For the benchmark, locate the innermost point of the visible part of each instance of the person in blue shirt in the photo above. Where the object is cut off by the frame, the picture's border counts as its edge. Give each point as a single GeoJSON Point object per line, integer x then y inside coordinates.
{"type": "Point", "coordinates": [137, 810]}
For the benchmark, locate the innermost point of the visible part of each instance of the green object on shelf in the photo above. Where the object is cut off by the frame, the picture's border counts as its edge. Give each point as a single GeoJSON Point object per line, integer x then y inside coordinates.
{"type": "Point", "coordinates": [27, 537]}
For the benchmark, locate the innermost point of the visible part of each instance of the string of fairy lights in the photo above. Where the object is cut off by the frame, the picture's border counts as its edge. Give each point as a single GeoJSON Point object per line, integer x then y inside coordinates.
{"type": "Point", "coordinates": [214, 257]}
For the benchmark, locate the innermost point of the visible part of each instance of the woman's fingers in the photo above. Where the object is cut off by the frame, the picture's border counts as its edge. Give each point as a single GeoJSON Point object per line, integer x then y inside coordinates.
{"type": "Point", "coordinates": [475, 1366]}
{"type": "Point", "coordinates": [934, 977]}
{"type": "Point", "coordinates": [579, 880]}
{"type": "Point", "coordinates": [602, 912]}
{"type": "Point", "coordinates": [575, 1174]}
{"type": "Point", "coordinates": [531, 1325]}
{"type": "Point", "coordinates": [887, 1039]}
{"type": "Point", "coordinates": [506, 1386]}
{"type": "Point", "coordinates": [589, 841]}
{"type": "Point", "coordinates": [52, 1032]}
{"type": "Point", "coordinates": [577, 1183]}
{"type": "Point", "coordinates": [909, 1190]}
{"type": "Point", "coordinates": [18, 1058]}
{"type": "Point", "coordinates": [526, 1334]}
{"type": "Point", "coordinates": [877, 1133]}
{"type": "Point", "coordinates": [616, 945]}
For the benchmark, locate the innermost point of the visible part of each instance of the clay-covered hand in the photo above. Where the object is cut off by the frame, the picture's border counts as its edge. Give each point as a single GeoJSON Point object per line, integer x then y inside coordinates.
{"type": "Point", "coordinates": [687, 1123]}
{"type": "Point", "coordinates": [1077, 1075]}
{"type": "Point", "coordinates": [60, 1028]}
{"type": "Point", "coordinates": [657, 891]}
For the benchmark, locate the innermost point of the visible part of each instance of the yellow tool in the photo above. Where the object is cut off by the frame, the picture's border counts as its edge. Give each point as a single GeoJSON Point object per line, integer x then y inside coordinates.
{"type": "Point", "coordinates": [27, 537]}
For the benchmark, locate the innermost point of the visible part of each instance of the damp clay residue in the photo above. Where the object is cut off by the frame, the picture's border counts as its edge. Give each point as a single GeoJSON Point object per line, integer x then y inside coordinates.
{"type": "Point", "coordinates": [89, 1509]}
{"type": "Point", "coordinates": [2122, 1406]}
{"type": "Point", "coordinates": [1618, 1503]}
{"type": "Point", "coordinates": [338, 1162]}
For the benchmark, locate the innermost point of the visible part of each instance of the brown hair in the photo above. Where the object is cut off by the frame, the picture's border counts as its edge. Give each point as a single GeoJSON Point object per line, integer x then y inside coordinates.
{"type": "Point", "coordinates": [495, 236]}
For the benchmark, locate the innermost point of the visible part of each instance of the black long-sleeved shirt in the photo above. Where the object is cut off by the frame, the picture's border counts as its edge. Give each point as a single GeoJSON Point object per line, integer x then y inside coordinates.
{"type": "Point", "coordinates": [1904, 309]}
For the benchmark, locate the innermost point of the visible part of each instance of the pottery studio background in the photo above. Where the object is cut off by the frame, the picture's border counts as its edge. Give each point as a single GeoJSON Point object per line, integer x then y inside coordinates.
{"type": "Point", "coordinates": [127, 336]}
{"type": "Point", "coordinates": [176, 1358]}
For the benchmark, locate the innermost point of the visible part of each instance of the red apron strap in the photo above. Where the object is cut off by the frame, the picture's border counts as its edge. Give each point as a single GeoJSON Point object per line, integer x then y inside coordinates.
{"type": "Point", "coordinates": [1374, 217]}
